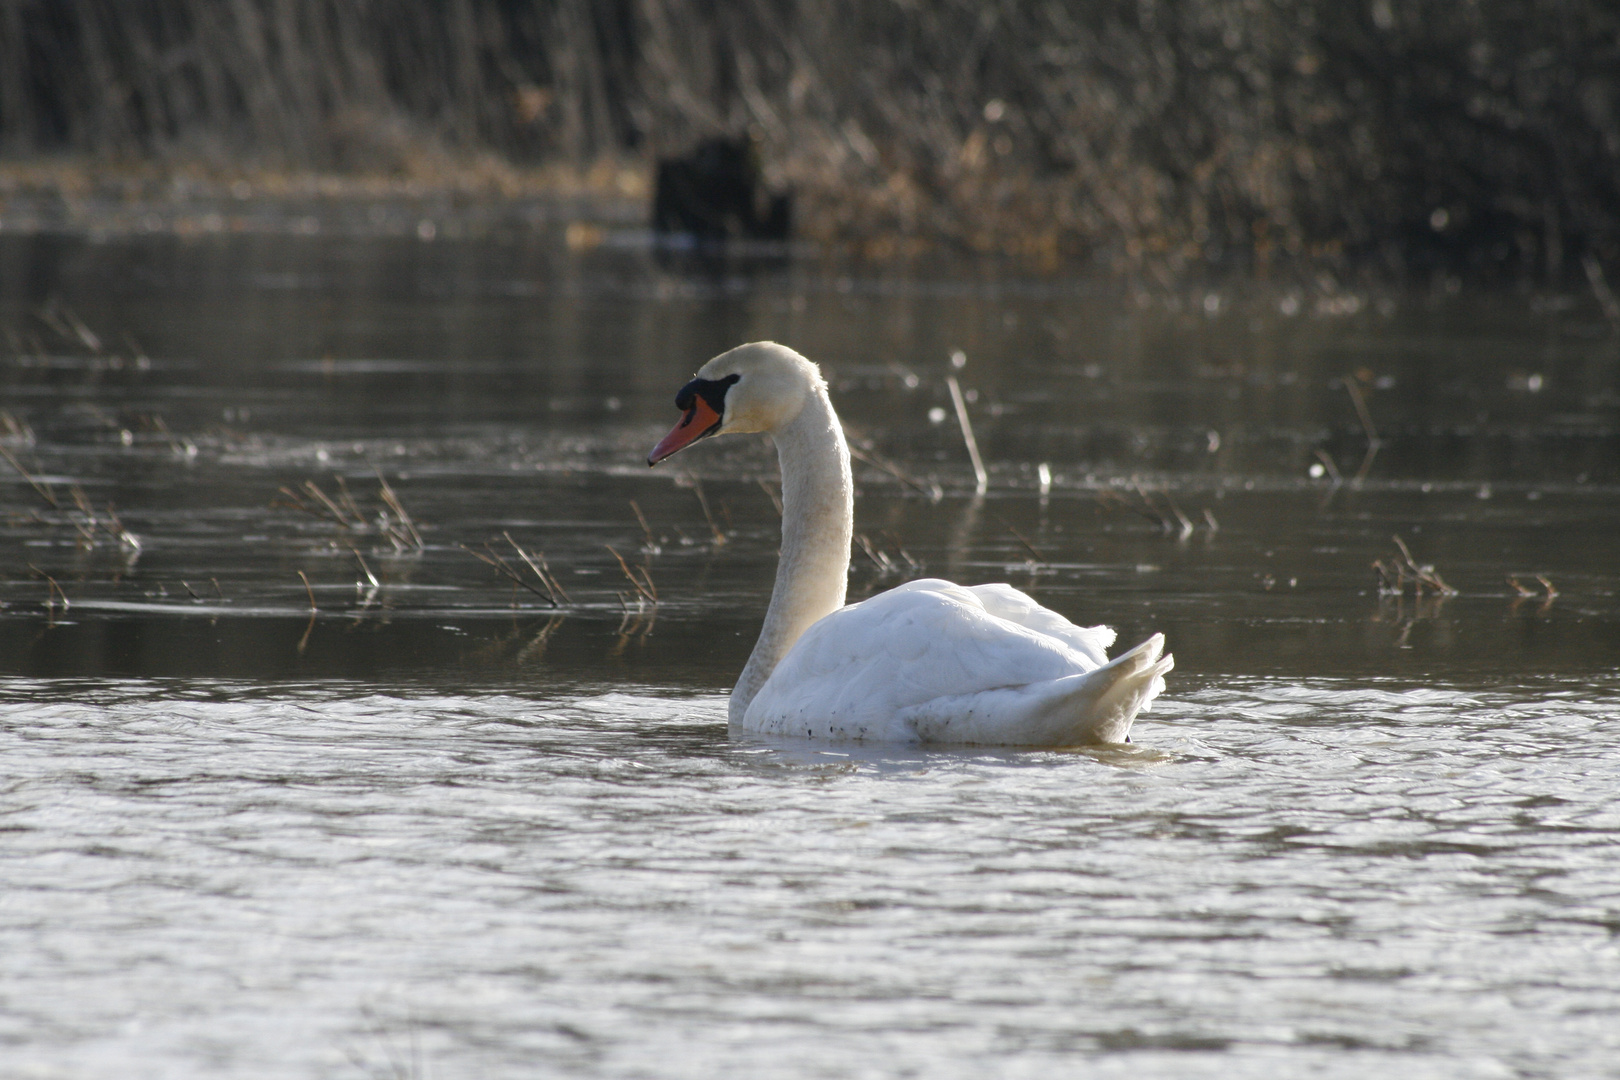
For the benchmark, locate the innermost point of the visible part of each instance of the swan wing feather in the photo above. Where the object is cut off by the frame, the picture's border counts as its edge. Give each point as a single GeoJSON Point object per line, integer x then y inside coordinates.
{"type": "Point", "coordinates": [1019, 607]}
{"type": "Point", "coordinates": [931, 661]}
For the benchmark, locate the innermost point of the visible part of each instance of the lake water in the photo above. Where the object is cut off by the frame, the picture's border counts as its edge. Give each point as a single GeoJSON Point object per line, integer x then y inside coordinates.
{"type": "Point", "coordinates": [441, 827]}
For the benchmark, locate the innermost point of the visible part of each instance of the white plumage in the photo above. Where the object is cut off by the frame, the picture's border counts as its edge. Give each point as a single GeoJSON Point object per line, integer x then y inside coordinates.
{"type": "Point", "coordinates": [927, 662]}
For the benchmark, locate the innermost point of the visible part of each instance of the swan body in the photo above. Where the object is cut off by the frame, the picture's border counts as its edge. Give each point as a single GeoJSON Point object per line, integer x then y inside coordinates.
{"type": "Point", "coordinates": [927, 662]}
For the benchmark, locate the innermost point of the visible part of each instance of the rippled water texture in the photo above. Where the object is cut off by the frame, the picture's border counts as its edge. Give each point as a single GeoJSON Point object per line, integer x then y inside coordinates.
{"type": "Point", "coordinates": [1306, 876]}
{"type": "Point", "coordinates": [442, 827]}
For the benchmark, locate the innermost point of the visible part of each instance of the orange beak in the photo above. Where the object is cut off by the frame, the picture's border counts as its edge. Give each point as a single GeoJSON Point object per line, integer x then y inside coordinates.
{"type": "Point", "coordinates": [699, 420]}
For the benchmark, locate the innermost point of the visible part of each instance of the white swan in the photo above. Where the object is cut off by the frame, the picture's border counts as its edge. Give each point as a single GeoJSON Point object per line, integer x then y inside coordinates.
{"type": "Point", "coordinates": [928, 662]}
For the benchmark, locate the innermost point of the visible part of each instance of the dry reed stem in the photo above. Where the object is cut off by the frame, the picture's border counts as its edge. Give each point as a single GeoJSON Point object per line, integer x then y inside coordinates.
{"type": "Point", "coordinates": [391, 498]}
{"type": "Point", "coordinates": [1406, 568]}
{"type": "Point", "coordinates": [309, 591]}
{"type": "Point", "coordinates": [1029, 547]}
{"type": "Point", "coordinates": [645, 590]}
{"type": "Point", "coordinates": [43, 490]}
{"type": "Point", "coordinates": [1330, 465]}
{"type": "Point", "coordinates": [915, 565]}
{"type": "Point", "coordinates": [870, 457]}
{"type": "Point", "coordinates": [52, 591]}
{"type": "Point", "coordinates": [323, 508]}
{"type": "Point", "coordinates": [650, 543]}
{"type": "Point", "coordinates": [980, 477]}
{"type": "Point", "coordinates": [364, 569]}
{"type": "Point", "coordinates": [697, 489]}
{"type": "Point", "coordinates": [1114, 500]}
{"type": "Point", "coordinates": [1186, 523]}
{"type": "Point", "coordinates": [1374, 443]}
{"type": "Point", "coordinates": [770, 493]}
{"type": "Point", "coordinates": [337, 512]}
{"type": "Point", "coordinates": [879, 560]}
{"type": "Point", "coordinates": [347, 500]}
{"type": "Point", "coordinates": [162, 428]}
{"type": "Point", "coordinates": [502, 567]}
{"type": "Point", "coordinates": [1600, 287]}
{"type": "Point", "coordinates": [536, 561]}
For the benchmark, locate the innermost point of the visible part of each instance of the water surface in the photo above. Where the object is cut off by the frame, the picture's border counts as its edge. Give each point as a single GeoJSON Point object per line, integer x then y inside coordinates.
{"type": "Point", "coordinates": [441, 827]}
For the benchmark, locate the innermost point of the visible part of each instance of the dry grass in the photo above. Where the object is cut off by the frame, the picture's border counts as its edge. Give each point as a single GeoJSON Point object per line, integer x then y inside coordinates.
{"type": "Point", "coordinates": [389, 521]}
{"type": "Point", "coordinates": [1396, 573]}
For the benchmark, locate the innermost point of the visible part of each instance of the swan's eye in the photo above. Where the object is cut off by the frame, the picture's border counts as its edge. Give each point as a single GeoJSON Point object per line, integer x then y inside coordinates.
{"type": "Point", "coordinates": [712, 391]}
{"type": "Point", "coordinates": [704, 403]}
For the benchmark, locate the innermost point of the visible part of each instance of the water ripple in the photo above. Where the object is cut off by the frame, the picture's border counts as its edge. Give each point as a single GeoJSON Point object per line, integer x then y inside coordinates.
{"type": "Point", "coordinates": [1333, 877]}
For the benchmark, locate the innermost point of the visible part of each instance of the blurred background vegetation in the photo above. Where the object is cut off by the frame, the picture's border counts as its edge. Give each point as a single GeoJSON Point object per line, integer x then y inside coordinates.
{"type": "Point", "coordinates": [1479, 137]}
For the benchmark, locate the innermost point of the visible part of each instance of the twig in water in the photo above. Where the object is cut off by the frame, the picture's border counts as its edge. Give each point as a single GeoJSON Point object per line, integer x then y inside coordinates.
{"type": "Point", "coordinates": [650, 545]}
{"type": "Point", "coordinates": [980, 477]}
{"type": "Point", "coordinates": [190, 592]}
{"type": "Point", "coordinates": [175, 445]}
{"type": "Point", "coordinates": [52, 591]}
{"type": "Point", "coordinates": [1165, 522]}
{"type": "Point", "coordinates": [11, 427]}
{"type": "Point", "coordinates": [322, 507]}
{"type": "Point", "coordinates": [346, 500]}
{"type": "Point", "coordinates": [90, 338]}
{"type": "Point", "coordinates": [1186, 523]}
{"type": "Point", "coordinates": [1029, 547]}
{"type": "Point", "coordinates": [879, 560]}
{"type": "Point", "coordinates": [1525, 592]}
{"type": "Point", "coordinates": [142, 361]}
{"type": "Point", "coordinates": [44, 490]}
{"type": "Point", "coordinates": [536, 561]}
{"type": "Point", "coordinates": [770, 492]}
{"type": "Point", "coordinates": [303, 642]}
{"type": "Point", "coordinates": [490, 558]}
{"type": "Point", "coordinates": [697, 489]}
{"type": "Point", "coordinates": [1600, 287]}
{"type": "Point", "coordinates": [914, 564]}
{"type": "Point", "coordinates": [644, 590]}
{"type": "Point", "coordinates": [1114, 499]}
{"type": "Point", "coordinates": [48, 315]}
{"type": "Point", "coordinates": [1330, 465]}
{"type": "Point", "coordinates": [364, 569]}
{"type": "Point", "coordinates": [1374, 443]}
{"type": "Point", "coordinates": [1421, 576]}
{"type": "Point", "coordinates": [403, 530]}
{"type": "Point", "coordinates": [869, 456]}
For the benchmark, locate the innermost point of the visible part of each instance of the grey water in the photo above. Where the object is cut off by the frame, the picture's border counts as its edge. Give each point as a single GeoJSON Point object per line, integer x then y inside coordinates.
{"type": "Point", "coordinates": [446, 825]}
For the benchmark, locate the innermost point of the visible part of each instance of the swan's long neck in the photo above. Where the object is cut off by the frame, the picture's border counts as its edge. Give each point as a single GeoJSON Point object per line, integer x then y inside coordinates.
{"type": "Point", "coordinates": [818, 517]}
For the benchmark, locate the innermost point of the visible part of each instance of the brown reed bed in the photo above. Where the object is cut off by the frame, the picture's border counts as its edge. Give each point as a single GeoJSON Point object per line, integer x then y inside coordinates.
{"type": "Point", "coordinates": [1157, 138]}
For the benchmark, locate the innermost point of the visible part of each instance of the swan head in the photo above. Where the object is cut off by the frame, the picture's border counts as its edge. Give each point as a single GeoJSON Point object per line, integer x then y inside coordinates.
{"type": "Point", "coordinates": [761, 386]}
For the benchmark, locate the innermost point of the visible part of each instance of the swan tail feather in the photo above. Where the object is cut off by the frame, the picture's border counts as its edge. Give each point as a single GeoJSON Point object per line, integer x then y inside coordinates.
{"type": "Point", "coordinates": [1097, 706]}
{"type": "Point", "coordinates": [1103, 704]}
